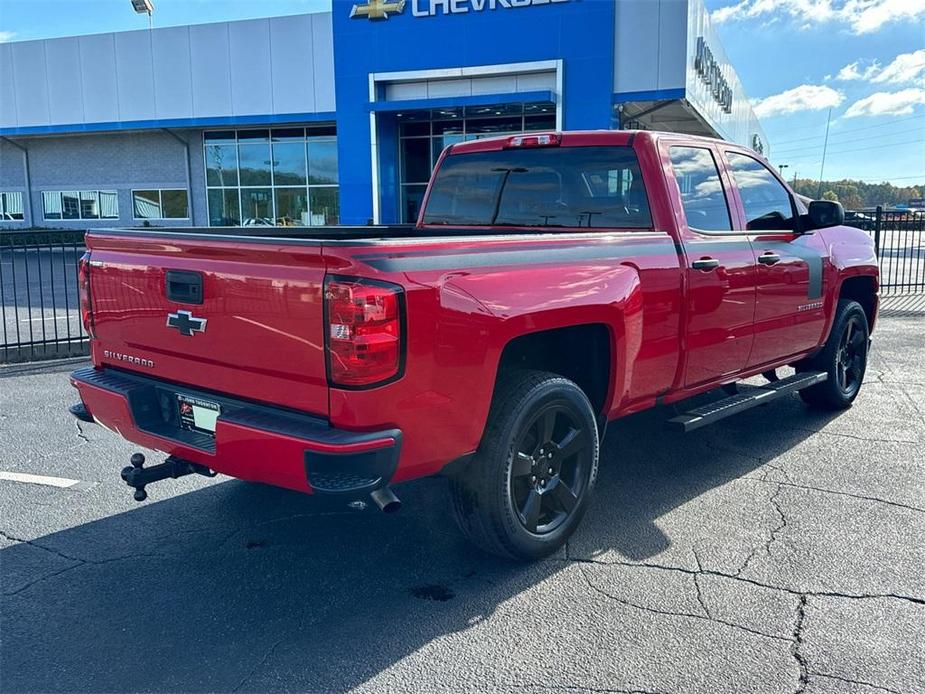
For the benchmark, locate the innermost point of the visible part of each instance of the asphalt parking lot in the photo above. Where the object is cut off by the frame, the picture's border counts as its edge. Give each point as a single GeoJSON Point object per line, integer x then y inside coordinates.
{"type": "Point", "coordinates": [779, 551]}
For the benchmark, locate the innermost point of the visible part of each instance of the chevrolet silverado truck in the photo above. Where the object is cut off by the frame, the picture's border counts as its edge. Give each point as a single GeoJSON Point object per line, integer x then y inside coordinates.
{"type": "Point", "coordinates": [553, 282]}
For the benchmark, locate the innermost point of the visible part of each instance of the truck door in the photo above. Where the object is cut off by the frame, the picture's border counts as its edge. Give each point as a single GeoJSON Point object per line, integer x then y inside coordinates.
{"type": "Point", "coordinates": [719, 264]}
{"type": "Point", "coordinates": [789, 311]}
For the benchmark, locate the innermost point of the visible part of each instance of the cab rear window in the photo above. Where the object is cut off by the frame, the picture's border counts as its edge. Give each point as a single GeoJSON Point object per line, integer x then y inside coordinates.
{"type": "Point", "coordinates": [570, 187]}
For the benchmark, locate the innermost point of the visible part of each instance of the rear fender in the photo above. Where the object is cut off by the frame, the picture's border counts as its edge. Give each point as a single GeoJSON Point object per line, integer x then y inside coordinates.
{"type": "Point", "coordinates": [523, 301]}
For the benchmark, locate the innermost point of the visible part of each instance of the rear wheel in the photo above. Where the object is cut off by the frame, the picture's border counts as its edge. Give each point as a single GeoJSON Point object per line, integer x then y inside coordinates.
{"type": "Point", "coordinates": [531, 480]}
{"type": "Point", "coordinates": [843, 358]}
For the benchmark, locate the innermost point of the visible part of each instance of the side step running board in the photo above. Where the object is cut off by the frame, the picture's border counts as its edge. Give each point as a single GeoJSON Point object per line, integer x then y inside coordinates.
{"type": "Point", "coordinates": [745, 400]}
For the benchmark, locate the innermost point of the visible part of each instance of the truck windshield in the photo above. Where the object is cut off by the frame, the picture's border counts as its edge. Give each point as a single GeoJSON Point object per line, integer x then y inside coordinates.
{"type": "Point", "coordinates": [569, 187]}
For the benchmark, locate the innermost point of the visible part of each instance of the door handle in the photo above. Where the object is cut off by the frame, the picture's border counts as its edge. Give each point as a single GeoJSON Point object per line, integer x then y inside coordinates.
{"type": "Point", "coordinates": [768, 258]}
{"type": "Point", "coordinates": [705, 264]}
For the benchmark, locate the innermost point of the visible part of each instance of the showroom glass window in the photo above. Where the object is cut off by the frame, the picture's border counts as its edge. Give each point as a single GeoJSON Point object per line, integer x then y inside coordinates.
{"type": "Point", "coordinates": [80, 204]}
{"type": "Point", "coordinates": [11, 207]}
{"type": "Point", "coordinates": [170, 203]}
{"type": "Point", "coordinates": [267, 177]}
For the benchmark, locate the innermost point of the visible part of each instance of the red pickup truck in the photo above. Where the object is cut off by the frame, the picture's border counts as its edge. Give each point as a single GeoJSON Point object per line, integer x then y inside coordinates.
{"type": "Point", "coordinates": [553, 282]}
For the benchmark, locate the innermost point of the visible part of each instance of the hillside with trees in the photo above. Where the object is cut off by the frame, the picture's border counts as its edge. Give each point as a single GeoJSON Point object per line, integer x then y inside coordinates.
{"type": "Point", "coordinates": [857, 194]}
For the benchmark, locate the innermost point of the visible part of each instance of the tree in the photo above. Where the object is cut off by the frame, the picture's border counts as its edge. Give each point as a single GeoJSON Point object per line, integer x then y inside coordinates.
{"type": "Point", "coordinates": [860, 194]}
{"type": "Point", "coordinates": [830, 195]}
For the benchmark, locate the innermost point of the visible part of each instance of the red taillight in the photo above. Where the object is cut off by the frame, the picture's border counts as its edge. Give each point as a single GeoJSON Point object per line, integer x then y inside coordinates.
{"type": "Point", "coordinates": [83, 291]}
{"type": "Point", "coordinates": [539, 140]}
{"type": "Point", "coordinates": [364, 331]}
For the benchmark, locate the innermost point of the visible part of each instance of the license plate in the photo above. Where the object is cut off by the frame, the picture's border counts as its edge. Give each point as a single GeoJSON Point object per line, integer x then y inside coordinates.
{"type": "Point", "coordinates": [197, 415]}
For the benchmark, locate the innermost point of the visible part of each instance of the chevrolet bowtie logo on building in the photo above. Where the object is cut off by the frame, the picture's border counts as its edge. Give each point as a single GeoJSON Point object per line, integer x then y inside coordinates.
{"type": "Point", "coordinates": [186, 323]}
{"type": "Point", "coordinates": [377, 9]}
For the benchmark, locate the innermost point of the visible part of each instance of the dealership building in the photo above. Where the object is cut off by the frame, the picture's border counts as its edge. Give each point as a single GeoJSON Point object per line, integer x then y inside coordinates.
{"type": "Point", "coordinates": [336, 117]}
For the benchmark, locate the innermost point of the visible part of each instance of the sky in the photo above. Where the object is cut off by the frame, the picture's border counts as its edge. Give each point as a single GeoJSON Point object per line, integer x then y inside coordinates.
{"type": "Point", "coordinates": [864, 59]}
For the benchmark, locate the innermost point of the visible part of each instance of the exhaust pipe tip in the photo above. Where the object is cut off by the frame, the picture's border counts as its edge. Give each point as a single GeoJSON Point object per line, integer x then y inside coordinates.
{"type": "Point", "coordinates": [386, 500]}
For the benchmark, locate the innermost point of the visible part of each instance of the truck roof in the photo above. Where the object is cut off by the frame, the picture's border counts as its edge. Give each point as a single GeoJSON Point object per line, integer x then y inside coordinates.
{"type": "Point", "coordinates": [583, 138]}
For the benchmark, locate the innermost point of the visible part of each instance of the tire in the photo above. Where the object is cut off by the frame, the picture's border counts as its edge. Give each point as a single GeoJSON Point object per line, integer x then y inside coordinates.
{"type": "Point", "coordinates": [506, 502]}
{"type": "Point", "coordinates": [843, 358]}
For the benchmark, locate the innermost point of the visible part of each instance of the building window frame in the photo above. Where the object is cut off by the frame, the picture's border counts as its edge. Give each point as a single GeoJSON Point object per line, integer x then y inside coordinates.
{"type": "Point", "coordinates": [5, 196]}
{"type": "Point", "coordinates": [316, 133]}
{"type": "Point", "coordinates": [77, 195]}
{"type": "Point", "coordinates": [160, 199]}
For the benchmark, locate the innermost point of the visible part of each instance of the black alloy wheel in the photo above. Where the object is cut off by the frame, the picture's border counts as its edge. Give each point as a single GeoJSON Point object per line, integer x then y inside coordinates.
{"type": "Point", "coordinates": [529, 484]}
{"type": "Point", "coordinates": [548, 472]}
{"type": "Point", "coordinates": [851, 357]}
{"type": "Point", "coordinates": [843, 358]}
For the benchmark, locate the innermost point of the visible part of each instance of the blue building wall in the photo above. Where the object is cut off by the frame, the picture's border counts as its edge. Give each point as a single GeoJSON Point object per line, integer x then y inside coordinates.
{"type": "Point", "coordinates": [578, 32]}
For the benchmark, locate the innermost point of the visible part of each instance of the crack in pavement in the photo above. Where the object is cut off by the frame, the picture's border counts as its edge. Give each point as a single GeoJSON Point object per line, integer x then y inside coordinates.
{"type": "Point", "coordinates": [865, 439]}
{"type": "Point", "coordinates": [797, 642]}
{"type": "Point", "coordinates": [80, 432]}
{"type": "Point", "coordinates": [670, 613]}
{"type": "Point", "coordinates": [851, 681]}
{"type": "Point", "coordinates": [774, 531]}
{"type": "Point", "coordinates": [33, 543]}
{"type": "Point", "coordinates": [721, 574]}
{"type": "Point", "coordinates": [821, 490]}
{"type": "Point", "coordinates": [77, 561]}
{"type": "Point", "coordinates": [260, 663]}
{"type": "Point", "coordinates": [700, 599]}
{"type": "Point", "coordinates": [580, 688]}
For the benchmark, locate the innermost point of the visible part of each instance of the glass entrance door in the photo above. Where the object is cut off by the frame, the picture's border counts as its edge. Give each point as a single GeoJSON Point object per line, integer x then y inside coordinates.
{"type": "Point", "coordinates": [424, 134]}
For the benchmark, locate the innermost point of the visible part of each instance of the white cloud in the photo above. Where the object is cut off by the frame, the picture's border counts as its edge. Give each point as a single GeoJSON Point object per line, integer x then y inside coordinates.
{"type": "Point", "coordinates": [806, 97]}
{"type": "Point", "coordinates": [861, 16]}
{"type": "Point", "coordinates": [6, 36]}
{"type": "Point", "coordinates": [853, 71]}
{"type": "Point", "coordinates": [906, 68]}
{"type": "Point", "coordinates": [900, 103]}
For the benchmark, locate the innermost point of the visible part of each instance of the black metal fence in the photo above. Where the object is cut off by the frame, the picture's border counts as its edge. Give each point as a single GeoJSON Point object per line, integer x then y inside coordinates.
{"type": "Point", "coordinates": [39, 304]}
{"type": "Point", "coordinates": [899, 237]}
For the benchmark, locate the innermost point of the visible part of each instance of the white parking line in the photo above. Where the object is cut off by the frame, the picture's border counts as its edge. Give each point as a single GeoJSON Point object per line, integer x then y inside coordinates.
{"type": "Point", "coordinates": [60, 482]}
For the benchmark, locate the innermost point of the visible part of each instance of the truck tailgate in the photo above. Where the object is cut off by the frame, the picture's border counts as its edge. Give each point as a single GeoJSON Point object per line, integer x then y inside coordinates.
{"type": "Point", "coordinates": [261, 302]}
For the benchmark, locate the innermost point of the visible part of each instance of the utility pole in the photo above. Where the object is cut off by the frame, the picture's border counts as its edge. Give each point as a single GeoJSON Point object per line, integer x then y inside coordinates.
{"type": "Point", "coordinates": [825, 147]}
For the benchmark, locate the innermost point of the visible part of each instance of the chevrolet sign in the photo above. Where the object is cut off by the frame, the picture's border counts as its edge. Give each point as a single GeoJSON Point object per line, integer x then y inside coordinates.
{"type": "Point", "coordinates": [380, 9]}
{"type": "Point", "coordinates": [377, 9]}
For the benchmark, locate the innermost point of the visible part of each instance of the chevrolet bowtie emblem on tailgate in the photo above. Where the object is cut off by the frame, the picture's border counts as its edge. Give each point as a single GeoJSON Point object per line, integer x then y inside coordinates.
{"type": "Point", "coordinates": [186, 323]}
{"type": "Point", "coordinates": [377, 9]}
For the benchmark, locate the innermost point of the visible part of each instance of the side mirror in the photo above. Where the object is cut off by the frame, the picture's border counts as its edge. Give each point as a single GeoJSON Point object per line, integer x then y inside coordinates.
{"type": "Point", "coordinates": [824, 213]}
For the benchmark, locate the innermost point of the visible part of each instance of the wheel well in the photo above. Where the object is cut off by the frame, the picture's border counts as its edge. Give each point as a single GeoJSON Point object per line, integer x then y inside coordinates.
{"type": "Point", "coordinates": [863, 290]}
{"type": "Point", "coordinates": [580, 353]}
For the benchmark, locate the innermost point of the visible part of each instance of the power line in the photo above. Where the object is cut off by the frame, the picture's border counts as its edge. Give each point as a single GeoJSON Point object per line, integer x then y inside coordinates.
{"type": "Point", "coordinates": [856, 139]}
{"type": "Point", "coordinates": [853, 130]}
{"type": "Point", "coordinates": [856, 149]}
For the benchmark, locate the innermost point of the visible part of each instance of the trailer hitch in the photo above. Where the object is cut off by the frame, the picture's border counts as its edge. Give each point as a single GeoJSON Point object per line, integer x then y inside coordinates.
{"type": "Point", "coordinates": [138, 476]}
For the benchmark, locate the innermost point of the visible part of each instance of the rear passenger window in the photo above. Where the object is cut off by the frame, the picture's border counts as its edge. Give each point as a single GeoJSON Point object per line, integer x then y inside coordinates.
{"type": "Point", "coordinates": [702, 192]}
{"type": "Point", "coordinates": [571, 187]}
{"type": "Point", "coordinates": [767, 203]}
